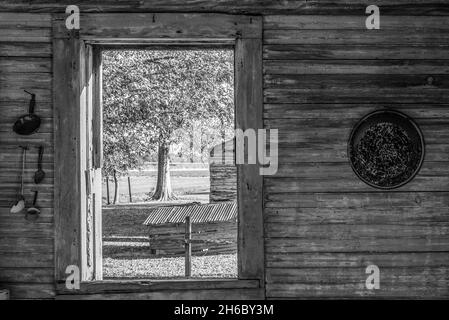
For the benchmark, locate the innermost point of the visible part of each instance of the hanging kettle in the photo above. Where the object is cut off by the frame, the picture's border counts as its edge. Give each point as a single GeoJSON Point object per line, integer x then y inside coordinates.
{"type": "Point", "coordinates": [28, 123]}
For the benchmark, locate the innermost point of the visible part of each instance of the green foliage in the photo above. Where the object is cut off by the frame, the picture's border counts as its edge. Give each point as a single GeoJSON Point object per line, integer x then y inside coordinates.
{"type": "Point", "coordinates": [149, 96]}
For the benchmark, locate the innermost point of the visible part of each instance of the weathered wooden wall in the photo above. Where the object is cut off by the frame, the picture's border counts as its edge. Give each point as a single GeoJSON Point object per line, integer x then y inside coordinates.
{"type": "Point", "coordinates": [26, 248]}
{"type": "Point", "coordinates": [326, 7]}
{"type": "Point", "coordinates": [223, 182]}
{"type": "Point", "coordinates": [223, 172]}
{"type": "Point", "coordinates": [323, 71]}
{"type": "Point", "coordinates": [323, 226]}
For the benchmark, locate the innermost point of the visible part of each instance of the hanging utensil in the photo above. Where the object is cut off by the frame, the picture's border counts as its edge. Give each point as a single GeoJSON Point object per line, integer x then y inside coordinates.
{"type": "Point", "coordinates": [33, 212]}
{"type": "Point", "coordinates": [20, 203]}
{"type": "Point", "coordinates": [39, 175]}
{"type": "Point", "coordinates": [28, 123]}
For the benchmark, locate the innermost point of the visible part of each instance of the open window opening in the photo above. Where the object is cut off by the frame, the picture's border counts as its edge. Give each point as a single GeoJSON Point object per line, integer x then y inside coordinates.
{"type": "Point", "coordinates": [77, 98]}
{"type": "Point", "coordinates": [169, 180]}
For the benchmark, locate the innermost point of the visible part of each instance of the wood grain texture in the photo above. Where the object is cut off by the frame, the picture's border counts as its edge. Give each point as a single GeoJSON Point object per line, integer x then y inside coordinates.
{"type": "Point", "coordinates": [11, 154]}
{"type": "Point", "coordinates": [392, 51]}
{"type": "Point", "coordinates": [391, 290]}
{"type": "Point", "coordinates": [207, 294]}
{"type": "Point", "coordinates": [354, 22]}
{"type": "Point", "coordinates": [248, 114]}
{"type": "Point", "coordinates": [331, 7]}
{"type": "Point", "coordinates": [419, 83]}
{"type": "Point", "coordinates": [26, 252]}
{"type": "Point", "coordinates": [20, 106]}
{"type": "Point", "coordinates": [320, 238]}
{"type": "Point", "coordinates": [165, 26]}
{"type": "Point", "coordinates": [29, 80]}
{"type": "Point", "coordinates": [321, 260]}
{"type": "Point", "coordinates": [357, 200]}
{"type": "Point", "coordinates": [348, 95]}
{"type": "Point", "coordinates": [223, 182]}
{"type": "Point", "coordinates": [357, 232]}
{"type": "Point", "coordinates": [25, 49]}
{"type": "Point", "coordinates": [26, 245]}
{"type": "Point", "coordinates": [427, 37]}
{"type": "Point", "coordinates": [25, 64]}
{"type": "Point", "coordinates": [406, 283]}
{"type": "Point", "coordinates": [349, 184]}
{"type": "Point", "coordinates": [335, 111]}
{"type": "Point", "coordinates": [39, 230]}
{"type": "Point", "coordinates": [403, 216]}
{"type": "Point", "coordinates": [343, 170]}
{"type": "Point", "coordinates": [9, 138]}
{"type": "Point", "coordinates": [144, 286]}
{"type": "Point", "coordinates": [288, 246]}
{"type": "Point", "coordinates": [317, 151]}
{"type": "Point", "coordinates": [66, 66]}
{"type": "Point", "coordinates": [25, 34]}
{"type": "Point", "coordinates": [30, 20]}
{"type": "Point", "coordinates": [421, 67]}
{"type": "Point", "coordinates": [210, 237]}
{"type": "Point", "coordinates": [27, 275]}
{"type": "Point", "coordinates": [423, 276]}
{"type": "Point", "coordinates": [26, 260]}
{"type": "Point", "coordinates": [316, 130]}
{"type": "Point", "coordinates": [30, 290]}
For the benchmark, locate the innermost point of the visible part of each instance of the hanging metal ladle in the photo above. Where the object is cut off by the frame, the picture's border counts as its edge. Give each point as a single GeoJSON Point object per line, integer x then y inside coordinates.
{"type": "Point", "coordinates": [20, 203]}
{"type": "Point", "coordinates": [28, 123]}
{"type": "Point", "coordinates": [33, 213]}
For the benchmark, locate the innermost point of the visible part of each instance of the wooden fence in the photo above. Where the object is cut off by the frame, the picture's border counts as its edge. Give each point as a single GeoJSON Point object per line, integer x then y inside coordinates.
{"type": "Point", "coordinates": [205, 238]}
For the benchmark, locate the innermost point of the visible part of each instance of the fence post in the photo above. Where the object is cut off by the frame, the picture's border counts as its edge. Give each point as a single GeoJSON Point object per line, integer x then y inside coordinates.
{"type": "Point", "coordinates": [107, 190]}
{"type": "Point", "coordinates": [129, 190]}
{"type": "Point", "coordinates": [188, 247]}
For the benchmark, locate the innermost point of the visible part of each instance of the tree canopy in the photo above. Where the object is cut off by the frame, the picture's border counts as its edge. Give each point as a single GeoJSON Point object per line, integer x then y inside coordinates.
{"type": "Point", "coordinates": [150, 95]}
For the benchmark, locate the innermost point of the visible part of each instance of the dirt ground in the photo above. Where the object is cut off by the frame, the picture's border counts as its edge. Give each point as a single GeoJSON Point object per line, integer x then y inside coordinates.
{"type": "Point", "coordinates": [213, 266]}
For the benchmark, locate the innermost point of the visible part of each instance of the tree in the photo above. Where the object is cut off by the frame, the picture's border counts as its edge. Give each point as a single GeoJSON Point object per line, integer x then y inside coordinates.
{"type": "Point", "coordinates": [149, 95]}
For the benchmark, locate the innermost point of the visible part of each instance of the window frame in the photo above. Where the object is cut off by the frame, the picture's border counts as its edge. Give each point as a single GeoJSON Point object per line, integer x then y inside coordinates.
{"type": "Point", "coordinates": [69, 100]}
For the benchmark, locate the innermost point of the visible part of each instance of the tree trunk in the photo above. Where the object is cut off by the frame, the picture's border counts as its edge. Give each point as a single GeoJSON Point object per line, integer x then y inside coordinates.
{"type": "Point", "coordinates": [192, 146]}
{"type": "Point", "coordinates": [107, 190]}
{"type": "Point", "coordinates": [163, 187]}
{"type": "Point", "coordinates": [116, 186]}
{"type": "Point", "coordinates": [223, 141]}
{"type": "Point", "coordinates": [222, 131]}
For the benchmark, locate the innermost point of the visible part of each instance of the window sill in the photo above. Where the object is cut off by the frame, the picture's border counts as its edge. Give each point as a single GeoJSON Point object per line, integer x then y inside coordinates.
{"type": "Point", "coordinates": [142, 285]}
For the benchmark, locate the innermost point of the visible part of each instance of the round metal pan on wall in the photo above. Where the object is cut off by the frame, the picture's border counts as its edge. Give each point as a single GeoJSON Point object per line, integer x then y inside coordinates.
{"type": "Point", "coordinates": [386, 149]}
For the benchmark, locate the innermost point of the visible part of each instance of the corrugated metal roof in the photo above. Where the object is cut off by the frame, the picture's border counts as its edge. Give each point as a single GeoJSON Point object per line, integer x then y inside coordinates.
{"type": "Point", "coordinates": [223, 211]}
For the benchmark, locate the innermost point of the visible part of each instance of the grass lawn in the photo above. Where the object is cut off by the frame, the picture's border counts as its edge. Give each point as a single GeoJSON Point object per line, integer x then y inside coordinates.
{"type": "Point", "coordinates": [185, 188]}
